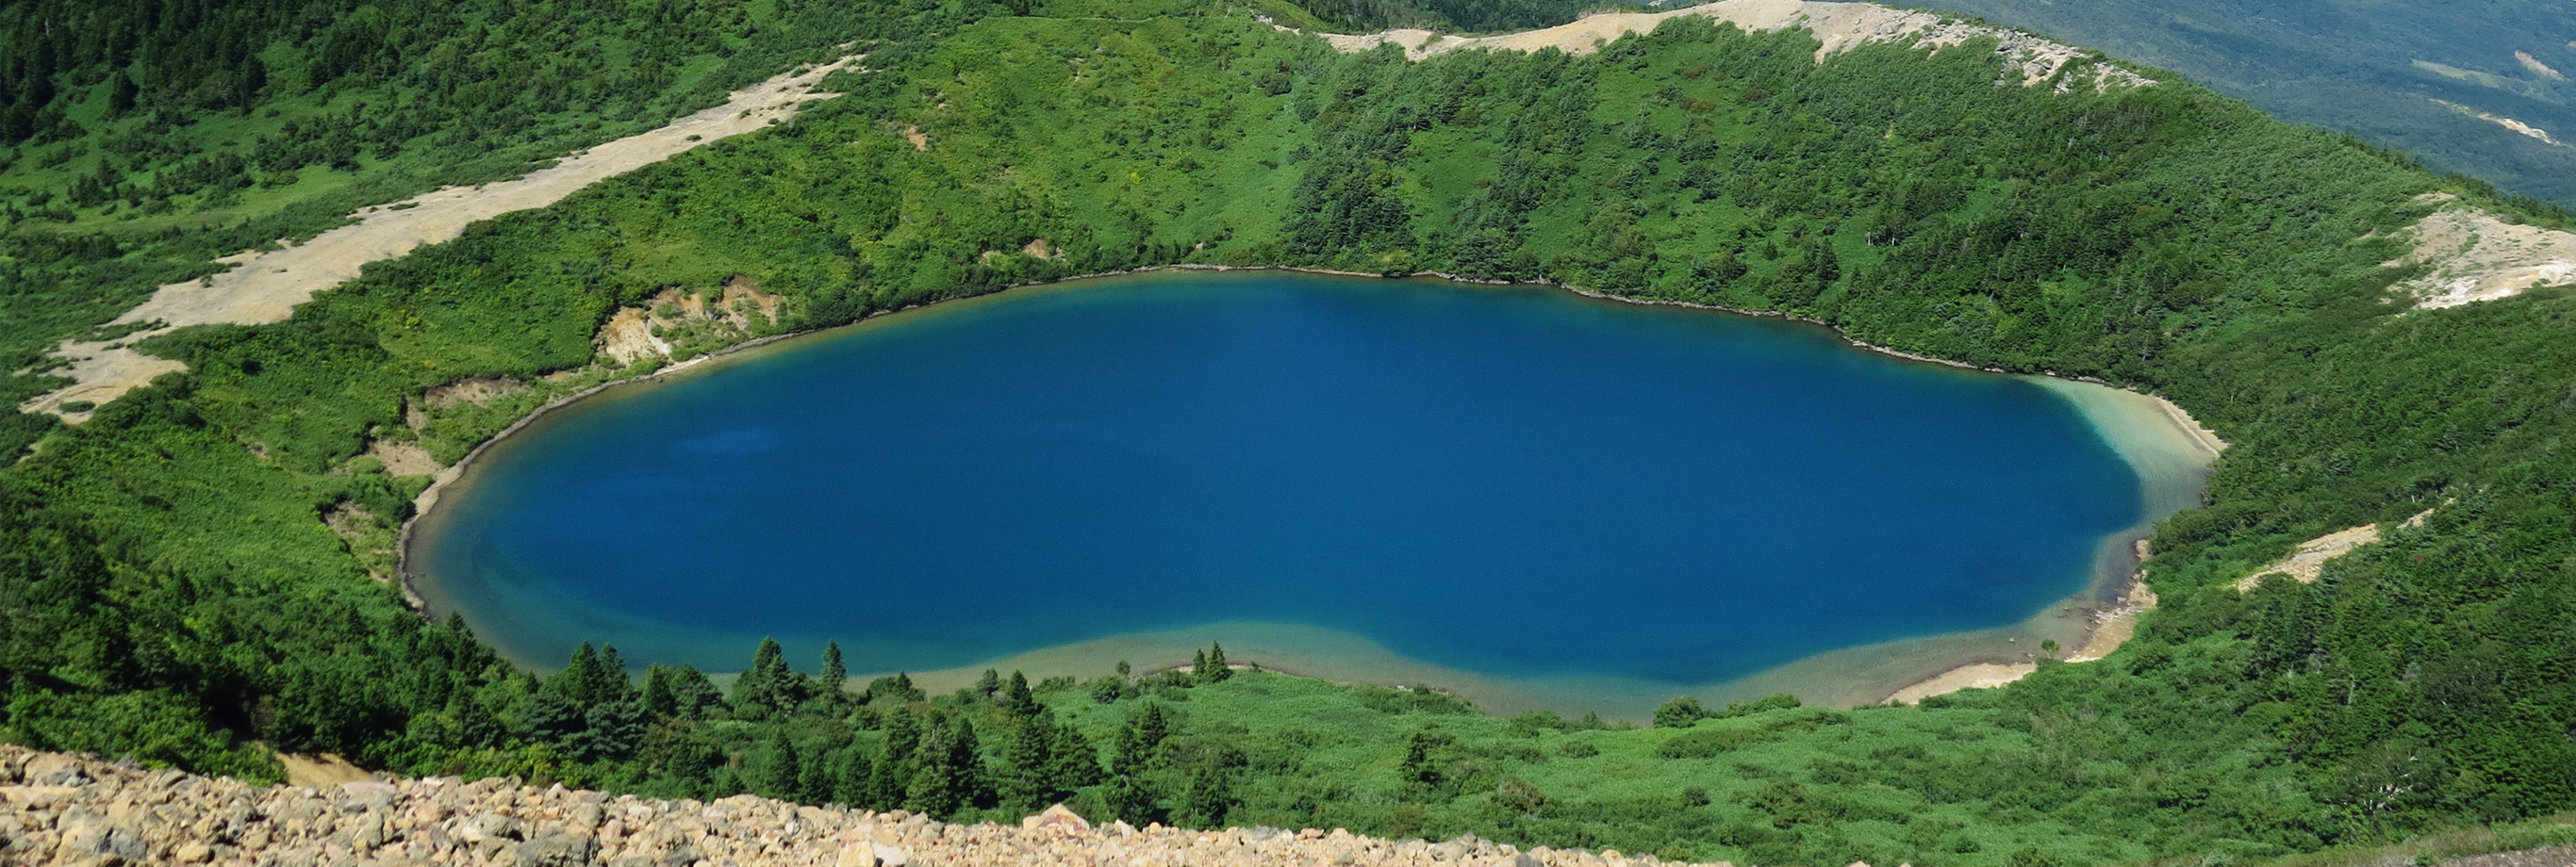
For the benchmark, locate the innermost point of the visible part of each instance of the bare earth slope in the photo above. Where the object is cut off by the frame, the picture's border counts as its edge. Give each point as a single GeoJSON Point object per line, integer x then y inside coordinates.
{"type": "Point", "coordinates": [265, 287]}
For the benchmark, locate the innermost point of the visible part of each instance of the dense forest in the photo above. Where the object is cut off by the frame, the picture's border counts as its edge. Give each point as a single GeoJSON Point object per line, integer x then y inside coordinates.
{"type": "Point", "coordinates": [195, 575]}
{"type": "Point", "coordinates": [2412, 76]}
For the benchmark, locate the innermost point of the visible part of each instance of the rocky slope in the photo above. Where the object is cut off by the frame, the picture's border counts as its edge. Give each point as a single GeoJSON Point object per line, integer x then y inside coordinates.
{"type": "Point", "coordinates": [73, 810]}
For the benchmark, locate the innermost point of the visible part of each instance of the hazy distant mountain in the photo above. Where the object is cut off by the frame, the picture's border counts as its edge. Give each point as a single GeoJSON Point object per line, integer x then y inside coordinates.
{"type": "Point", "coordinates": [2479, 87]}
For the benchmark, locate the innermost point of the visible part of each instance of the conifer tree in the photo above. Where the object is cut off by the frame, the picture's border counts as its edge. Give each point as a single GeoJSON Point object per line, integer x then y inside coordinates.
{"type": "Point", "coordinates": [1199, 666]}
{"type": "Point", "coordinates": [989, 684]}
{"type": "Point", "coordinates": [784, 773]}
{"type": "Point", "coordinates": [895, 766]}
{"type": "Point", "coordinates": [1076, 762]}
{"type": "Point", "coordinates": [896, 688]}
{"type": "Point", "coordinates": [1209, 797]}
{"type": "Point", "coordinates": [1019, 699]}
{"type": "Point", "coordinates": [817, 779]}
{"type": "Point", "coordinates": [1153, 725]}
{"type": "Point", "coordinates": [1217, 671]}
{"type": "Point", "coordinates": [579, 680]}
{"type": "Point", "coordinates": [948, 777]}
{"type": "Point", "coordinates": [694, 695]}
{"type": "Point", "coordinates": [755, 692]}
{"type": "Point", "coordinates": [1030, 781]}
{"type": "Point", "coordinates": [903, 735]}
{"type": "Point", "coordinates": [610, 682]}
{"type": "Point", "coordinates": [856, 785]}
{"type": "Point", "coordinates": [832, 682]}
{"type": "Point", "coordinates": [658, 700]}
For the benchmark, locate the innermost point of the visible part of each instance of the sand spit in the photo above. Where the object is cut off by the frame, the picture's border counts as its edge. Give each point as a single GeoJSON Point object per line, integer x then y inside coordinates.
{"type": "Point", "coordinates": [2470, 255]}
{"type": "Point", "coordinates": [2304, 564]}
{"type": "Point", "coordinates": [264, 287]}
{"type": "Point", "coordinates": [66, 810]}
{"type": "Point", "coordinates": [1840, 26]}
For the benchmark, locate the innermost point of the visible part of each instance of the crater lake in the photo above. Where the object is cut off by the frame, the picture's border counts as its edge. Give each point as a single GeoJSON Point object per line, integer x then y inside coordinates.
{"type": "Point", "coordinates": [1538, 498]}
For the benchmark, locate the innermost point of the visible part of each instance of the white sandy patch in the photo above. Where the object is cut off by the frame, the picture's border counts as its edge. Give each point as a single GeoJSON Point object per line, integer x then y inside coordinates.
{"type": "Point", "coordinates": [2515, 126]}
{"type": "Point", "coordinates": [2474, 256]}
{"type": "Point", "coordinates": [1975, 675]}
{"type": "Point", "coordinates": [2304, 564]}
{"type": "Point", "coordinates": [265, 287]}
{"type": "Point", "coordinates": [2537, 68]}
{"type": "Point", "coordinates": [1840, 26]}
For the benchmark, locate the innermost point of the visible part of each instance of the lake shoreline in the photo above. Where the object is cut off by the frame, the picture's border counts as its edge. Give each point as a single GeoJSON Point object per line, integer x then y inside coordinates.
{"type": "Point", "coordinates": [2088, 603]}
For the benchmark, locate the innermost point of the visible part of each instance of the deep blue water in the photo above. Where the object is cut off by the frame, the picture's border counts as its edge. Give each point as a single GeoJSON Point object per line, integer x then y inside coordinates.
{"type": "Point", "coordinates": [1514, 482]}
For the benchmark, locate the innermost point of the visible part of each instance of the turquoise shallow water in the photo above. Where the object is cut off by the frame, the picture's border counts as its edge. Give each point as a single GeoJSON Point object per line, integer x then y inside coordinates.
{"type": "Point", "coordinates": [1518, 483]}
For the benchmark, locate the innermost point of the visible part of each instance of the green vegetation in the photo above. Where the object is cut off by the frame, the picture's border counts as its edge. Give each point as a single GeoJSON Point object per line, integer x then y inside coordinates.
{"type": "Point", "coordinates": [140, 139]}
{"type": "Point", "coordinates": [189, 572]}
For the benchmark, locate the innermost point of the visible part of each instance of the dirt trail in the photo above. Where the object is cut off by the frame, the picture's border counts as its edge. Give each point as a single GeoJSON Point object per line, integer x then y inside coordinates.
{"type": "Point", "coordinates": [1840, 26]}
{"type": "Point", "coordinates": [265, 287]}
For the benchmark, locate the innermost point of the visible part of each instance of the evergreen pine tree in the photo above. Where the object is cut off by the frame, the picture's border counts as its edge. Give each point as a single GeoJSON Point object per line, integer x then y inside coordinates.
{"type": "Point", "coordinates": [579, 680]}
{"type": "Point", "coordinates": [1019, 699]}
{"type": "Point", "coordinates": [1030, 780]}
{"type": "Point", "coordinates": [834, 680]}
{"type": "Point", "coordinates": [974, 786]}
{"type": "Point", "coordinates": [609, 680]}
{"type": "Point", "coordinates": [1217, 670]}
{"type": "Point", "coordinates": [989, 684]}
{"type": "Point", "coordinates": [942, 782]}
{"type": "Point", "coordinates": [659, 702]}
{"type": "Point", "coordinates": [694, 695]}
{"type": "Point", "coordinates": [817, 779]}
{"type": "Point", "coordinates": [784, 773]}
{"type": "Point", "coordinates": [1153, 725]}
{"type": "Point", "coordinates": [903, 735]}
{"type": "Point", "coordinates": [1209, 798]}
{"type": "Point", "coordinates": [756, 694]}
{"type": "Point", "coordinates": [1077, 763]}
{"type": "Point", "coordinates": [856, 786]}
{"type": "Point", "coordinates": [1199, 666]}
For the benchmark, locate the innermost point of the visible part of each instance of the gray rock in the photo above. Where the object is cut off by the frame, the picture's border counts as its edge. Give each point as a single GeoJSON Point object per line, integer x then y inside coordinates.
{"type": "Point", "coordinates": [370, 793]}
{"type": "Point", "coordinates": [1524, 860]}
{"type": "Point", "coordinates": [557, 850]}
{"type": "Point", "coordinates": [891, 856]}
{"type": "Point", "coordinates": [488, 826]}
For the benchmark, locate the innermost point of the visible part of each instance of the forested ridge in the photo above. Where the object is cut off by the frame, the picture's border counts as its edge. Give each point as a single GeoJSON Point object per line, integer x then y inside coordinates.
{"type": "Point", "coordinates": [174, 592]}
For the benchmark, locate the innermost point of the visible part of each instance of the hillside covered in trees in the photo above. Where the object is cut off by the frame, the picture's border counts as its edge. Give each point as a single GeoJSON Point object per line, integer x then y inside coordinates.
{"type": "Point", "coordinates": [186, 578]}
